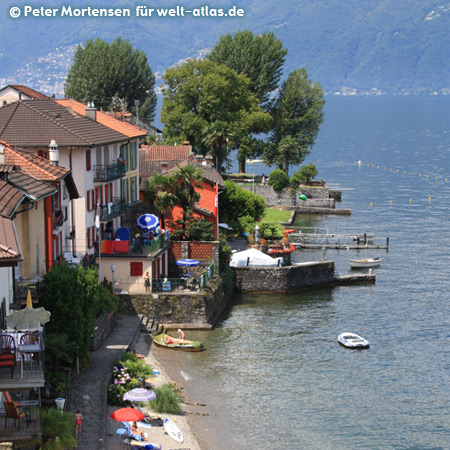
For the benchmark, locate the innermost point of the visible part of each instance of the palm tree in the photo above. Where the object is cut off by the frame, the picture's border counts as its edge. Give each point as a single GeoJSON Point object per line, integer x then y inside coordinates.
{"type": "Point", "coordinates": [57, 430]}
{"type": "Point", "coordinates": [161, 195]}
{"type": "Point", "coordinates": [215, 136]}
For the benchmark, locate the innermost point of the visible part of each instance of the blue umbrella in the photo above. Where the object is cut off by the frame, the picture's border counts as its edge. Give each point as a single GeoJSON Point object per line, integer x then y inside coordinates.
{"type": "Point", "coordinates": [188, 262]}
{"type": "Point", "coordinates": [147, 222]}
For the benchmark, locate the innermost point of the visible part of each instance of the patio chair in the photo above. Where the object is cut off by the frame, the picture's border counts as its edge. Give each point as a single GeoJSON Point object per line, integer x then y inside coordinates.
{"type": "Point", "coordinates": [130, 434]}
{"type": "Point", "coordinates": [12, 412]}
{"type": "Point", "coordinates": [28, 339]}
{"type": "Point", "coordinates": [7, 352]}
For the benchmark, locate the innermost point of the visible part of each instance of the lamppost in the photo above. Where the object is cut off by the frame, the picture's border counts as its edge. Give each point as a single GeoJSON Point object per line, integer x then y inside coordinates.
{"type": "Point", "coordinates": [113, 269]}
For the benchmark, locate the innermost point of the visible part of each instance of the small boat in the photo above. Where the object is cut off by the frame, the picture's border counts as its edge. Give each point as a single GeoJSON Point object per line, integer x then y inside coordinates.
{"type": "Point", "coordinates": [166, 341]}
{"type": "Point", "coordinates": [352, 340]}
{"type": "Point", "coordinates": [364, 263]}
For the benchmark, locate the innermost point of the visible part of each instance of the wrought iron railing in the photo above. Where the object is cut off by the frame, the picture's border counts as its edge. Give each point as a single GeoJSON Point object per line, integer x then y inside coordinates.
{"type": "Point", "coordinates": [112, 209]}
{"type": "Point", "coordinates": [109, 172]}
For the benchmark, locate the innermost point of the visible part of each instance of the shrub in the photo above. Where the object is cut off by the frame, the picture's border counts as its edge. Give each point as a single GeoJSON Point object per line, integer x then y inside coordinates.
{"type": "Point", "coordinates": [270, 230]}
{"type": "Point", "coordinates": [168, 400]}
{"type": "Point", "coordinates": [278, 180]}
{"type": "Point", "coordinates": [305, 173]}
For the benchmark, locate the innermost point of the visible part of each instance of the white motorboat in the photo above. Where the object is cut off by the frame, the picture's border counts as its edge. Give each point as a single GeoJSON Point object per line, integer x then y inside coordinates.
{"type": "Point", "coordinates": [364, 263]}
{"type": "Point", "coordinates": [352, 340]}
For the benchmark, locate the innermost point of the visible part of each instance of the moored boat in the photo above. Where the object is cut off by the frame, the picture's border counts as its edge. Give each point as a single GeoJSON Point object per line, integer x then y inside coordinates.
{"type": "Point", "coordinates": [166, 341]}
{"type": "Point", "coordinates": [364, 263]}
{"type": "Point", "coordinates": [352, 340]}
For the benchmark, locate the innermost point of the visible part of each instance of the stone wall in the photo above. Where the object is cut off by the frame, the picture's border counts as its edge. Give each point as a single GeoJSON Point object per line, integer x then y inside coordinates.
{"type": "Point", "coordinates": [201, 250]}
{"type": "Point", "coordinates": [318, 196]}
{"type": "Point", "coordinates": [285, 279]}
{"type": "Point", "coordinates": [190, 308]}
{"type": "Point", "coordinates": [104, 324]}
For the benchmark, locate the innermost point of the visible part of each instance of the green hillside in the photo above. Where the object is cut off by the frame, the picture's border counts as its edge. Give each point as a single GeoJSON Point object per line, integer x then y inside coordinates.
{"type": "Point", "coordinates": [392, 45]}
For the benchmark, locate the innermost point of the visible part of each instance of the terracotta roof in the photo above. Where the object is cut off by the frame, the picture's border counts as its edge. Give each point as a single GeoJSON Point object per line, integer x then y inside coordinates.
{"type": "Point", "coordinates": [9, 248]}
{"type": "Point", "coordinates": [10, 199]}
{"type": "Point", "coordinates": [33, 123]}
{"type": "Point", "coordinates": [208, 173]}
{"type": "Point", "coordinates": [31, 93]}
{"type": "Point", "coordinates": [32, 188]}
{"type": "Point", "coordinates": [6, 168]}
{"type": "Point", "coordinates": [165, 152]}
{"type": "Point", "coordinates": [132, 131]}
{"type": "Point", "coordinates": [203, 210]}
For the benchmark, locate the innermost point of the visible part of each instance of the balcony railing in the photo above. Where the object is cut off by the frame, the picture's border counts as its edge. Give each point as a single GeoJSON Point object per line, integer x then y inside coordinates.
{"type": "Point", "coordinates": [109, 172]}
{"type": "Point", "coordinates": [23, 285]}
{"type": "Point", "coordinates": [112, 209]}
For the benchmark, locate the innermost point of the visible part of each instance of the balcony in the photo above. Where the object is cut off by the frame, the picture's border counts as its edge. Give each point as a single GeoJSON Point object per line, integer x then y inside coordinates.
{"type": "Point", "coordinates": [108, 172]}
{"type": "Point", "coordinates": [30, 426]}
{"type": "Point", "coordinates": [23, 285]}
{"type": "Point", "coordinates": [112, 209]}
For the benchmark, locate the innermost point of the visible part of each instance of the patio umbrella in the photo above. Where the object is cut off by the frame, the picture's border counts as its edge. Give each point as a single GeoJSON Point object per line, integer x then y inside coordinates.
{"type": "Point", "coordinates": [139, 395]}
{"type": "Point", "coordinates": [147, 222]}
{"type": "Point", "coordinates": [127, 415]}
{"type": "Point", "coordinates": [187, 262]}
{"type": "Point", "coordinates": [28, 317]}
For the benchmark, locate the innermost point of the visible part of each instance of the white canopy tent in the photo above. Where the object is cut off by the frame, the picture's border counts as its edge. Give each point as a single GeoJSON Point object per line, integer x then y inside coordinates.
{"type": "Point", "coordinates": [254, 258]}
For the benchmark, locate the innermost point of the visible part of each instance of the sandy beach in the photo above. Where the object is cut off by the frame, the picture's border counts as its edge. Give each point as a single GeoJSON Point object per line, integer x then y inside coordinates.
{"type": "Point", "coordinates": [156, 434]}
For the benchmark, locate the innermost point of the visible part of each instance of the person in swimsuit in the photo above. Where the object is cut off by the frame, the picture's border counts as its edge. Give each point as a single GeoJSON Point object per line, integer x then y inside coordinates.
{"type": "Point", "coordinates": [78, 421]}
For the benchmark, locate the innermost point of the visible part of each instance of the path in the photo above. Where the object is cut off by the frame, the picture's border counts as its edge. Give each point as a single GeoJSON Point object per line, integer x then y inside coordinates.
{"type": "Point", "coordinates": [89, 387]}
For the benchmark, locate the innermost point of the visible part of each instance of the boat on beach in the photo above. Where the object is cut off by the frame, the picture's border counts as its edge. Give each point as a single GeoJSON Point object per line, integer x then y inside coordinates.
{"type": "Point", "coordinates": [167, 341]}
{"type": "Point", "coordinates": [364, 263]}
{"type": "Point", "coordinates": [352, 340]}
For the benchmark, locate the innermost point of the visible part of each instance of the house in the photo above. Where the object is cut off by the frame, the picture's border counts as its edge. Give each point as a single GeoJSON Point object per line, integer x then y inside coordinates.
{"type": "Point", "coordinates": [14, 92]}
{"type": "Point", "coordinates": [159, 159]}
{"type": "Point", "coordinates": [206, 207]}
{"type": "Point", "coordinates": [57, 214]}
{"type": "Point", "coordinates": [129, 151]}
{"type": "Point", "coordinates": [86, 147]}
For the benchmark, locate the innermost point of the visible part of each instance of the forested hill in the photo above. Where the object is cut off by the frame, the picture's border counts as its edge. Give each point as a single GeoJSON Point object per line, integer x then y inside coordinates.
{"type": "Point", "coordinates": [392, 45]}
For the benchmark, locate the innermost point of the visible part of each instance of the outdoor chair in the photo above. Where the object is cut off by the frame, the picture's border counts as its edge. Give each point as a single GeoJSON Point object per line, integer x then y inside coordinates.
{"type": "Point", "coordinates": [7, 352]}
{"type": "Point", "coordinates": [12, 412]}
{"type": "Point", "coordinates": [129, 433]}
{"type": "Point", "coordinates": [29, 339]}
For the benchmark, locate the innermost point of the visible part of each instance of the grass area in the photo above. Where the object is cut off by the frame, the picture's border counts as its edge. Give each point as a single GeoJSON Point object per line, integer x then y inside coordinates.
{"type": "Point", "coordinates": [276, 216]}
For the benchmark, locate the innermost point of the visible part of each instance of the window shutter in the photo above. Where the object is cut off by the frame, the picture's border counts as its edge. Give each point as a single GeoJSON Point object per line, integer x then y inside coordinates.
{"type": "Point", "coordinates": [88, 160]}
{"type": "Point", "coordinates": [136, 269]}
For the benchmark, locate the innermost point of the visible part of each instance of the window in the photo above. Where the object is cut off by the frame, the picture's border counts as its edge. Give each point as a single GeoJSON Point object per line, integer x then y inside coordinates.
{"type": "Point", "coordinates": [125, 190]}
{"type": "Point", "coordinates": [90, 199]}
{"type": "Point", "coordinates": [90, 237]}
{"type": "Point", "coordinates": [136, 269]}
{"type": "Point", "coordinates": [133, 189]}
{"type": "Point", "coordinates": [88, 160]}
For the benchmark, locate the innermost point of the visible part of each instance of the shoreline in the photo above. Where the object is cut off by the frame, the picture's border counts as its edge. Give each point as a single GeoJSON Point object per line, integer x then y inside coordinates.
{"type": "Point", "coordinates": [156, 434]}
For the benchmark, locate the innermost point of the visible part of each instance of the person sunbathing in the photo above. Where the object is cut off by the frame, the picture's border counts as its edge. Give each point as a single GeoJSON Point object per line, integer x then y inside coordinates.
{"type": "Point", "coordinates": [134, 429]}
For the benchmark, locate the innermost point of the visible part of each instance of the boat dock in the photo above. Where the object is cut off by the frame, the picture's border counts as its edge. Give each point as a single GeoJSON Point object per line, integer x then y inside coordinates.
{"type": "Point", "coordinates": [322, 238]}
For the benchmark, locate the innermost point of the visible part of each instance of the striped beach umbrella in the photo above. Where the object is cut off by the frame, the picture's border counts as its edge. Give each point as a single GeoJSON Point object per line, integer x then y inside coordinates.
{"type": "Point", "coordinates": [139, 395]}
{"type": "Point", "coordinates": [147, 222]}
{"type": "Point", "coordinates": [187, 262]}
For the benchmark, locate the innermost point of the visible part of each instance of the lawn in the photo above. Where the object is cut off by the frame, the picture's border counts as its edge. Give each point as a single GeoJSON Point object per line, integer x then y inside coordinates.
{"type": "Point", "coordinates": [277, 216]}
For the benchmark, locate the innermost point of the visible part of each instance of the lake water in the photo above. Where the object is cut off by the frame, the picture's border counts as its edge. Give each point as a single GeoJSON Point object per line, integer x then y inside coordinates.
{"type": "Point", "coordinates": [273, 375]}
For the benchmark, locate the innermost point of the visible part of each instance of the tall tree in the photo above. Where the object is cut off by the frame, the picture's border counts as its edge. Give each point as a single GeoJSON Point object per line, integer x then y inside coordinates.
{"type": "Point", "coordinates": [160, 194]}
{"type": "Point", "coordinates": [204, 103]}
{"type": "Point", "coordinates": [260, 57]}
{"type": "Point", "coordinates": [101, 71]}
{"type": "Point", "coordinates": [297, 114]}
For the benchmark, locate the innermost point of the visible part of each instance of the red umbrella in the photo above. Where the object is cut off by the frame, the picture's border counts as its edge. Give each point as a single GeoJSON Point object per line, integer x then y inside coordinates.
{"type": "Point", "coordinates": [127, 415]}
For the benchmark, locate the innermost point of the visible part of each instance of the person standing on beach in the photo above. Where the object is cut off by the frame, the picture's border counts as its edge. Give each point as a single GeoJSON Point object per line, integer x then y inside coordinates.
{"type": "Point", "coordinates": [78, 421]}
{"type": "Point", "coordinates": [181, 334]}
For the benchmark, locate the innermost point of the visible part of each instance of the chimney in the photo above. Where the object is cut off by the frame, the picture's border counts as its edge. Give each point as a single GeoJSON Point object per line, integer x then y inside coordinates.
{"type": "Point", "coordinates": [2, 154]}
{"type": "Point", "coordinates": [91, 112]}
{"type": "Point", "coordinates": [209, 161]}
{"type": "Point", "coordinates": [164, 167]}
{"type": "Point", "coordinates": [53, 152]}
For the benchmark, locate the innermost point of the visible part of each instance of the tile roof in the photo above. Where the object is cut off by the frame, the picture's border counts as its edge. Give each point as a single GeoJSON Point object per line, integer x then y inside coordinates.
{"type": "Point", "coordinates": [165, 152]}
{"type": "Point", "coordinates": [10, 199]}
{"type": "Point", "coordinates": [29, 92]}
{"type": "Point", "coordinates": [125, 128]}
{"type": "Point", "coordinates": [6, 168]}
{"type": "Point", "coordinates": [32, 188]}
{"type": "Point", "coordinates": [34, 165]}
{"type": "Point", "coordinates": [9, 248]}
{"type": "Point", "coordinates": [208, 173]}
{"type": "Point", "coordinates": [33, 123]}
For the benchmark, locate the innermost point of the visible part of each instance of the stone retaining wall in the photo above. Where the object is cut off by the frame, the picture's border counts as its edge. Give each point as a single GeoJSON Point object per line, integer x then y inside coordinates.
{"type": "Point", "coordinates": [190, 308]}
{"type": "Point", "coordinates": [104, 324]}
{"type": "Point", "coordinates": [285, 279]}
{"type": "Point", "coordinates": [318, 196]}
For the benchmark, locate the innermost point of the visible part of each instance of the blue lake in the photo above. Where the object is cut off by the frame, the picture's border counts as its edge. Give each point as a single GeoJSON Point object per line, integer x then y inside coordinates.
{"type": "Point", "coordinates": [273, 375]}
